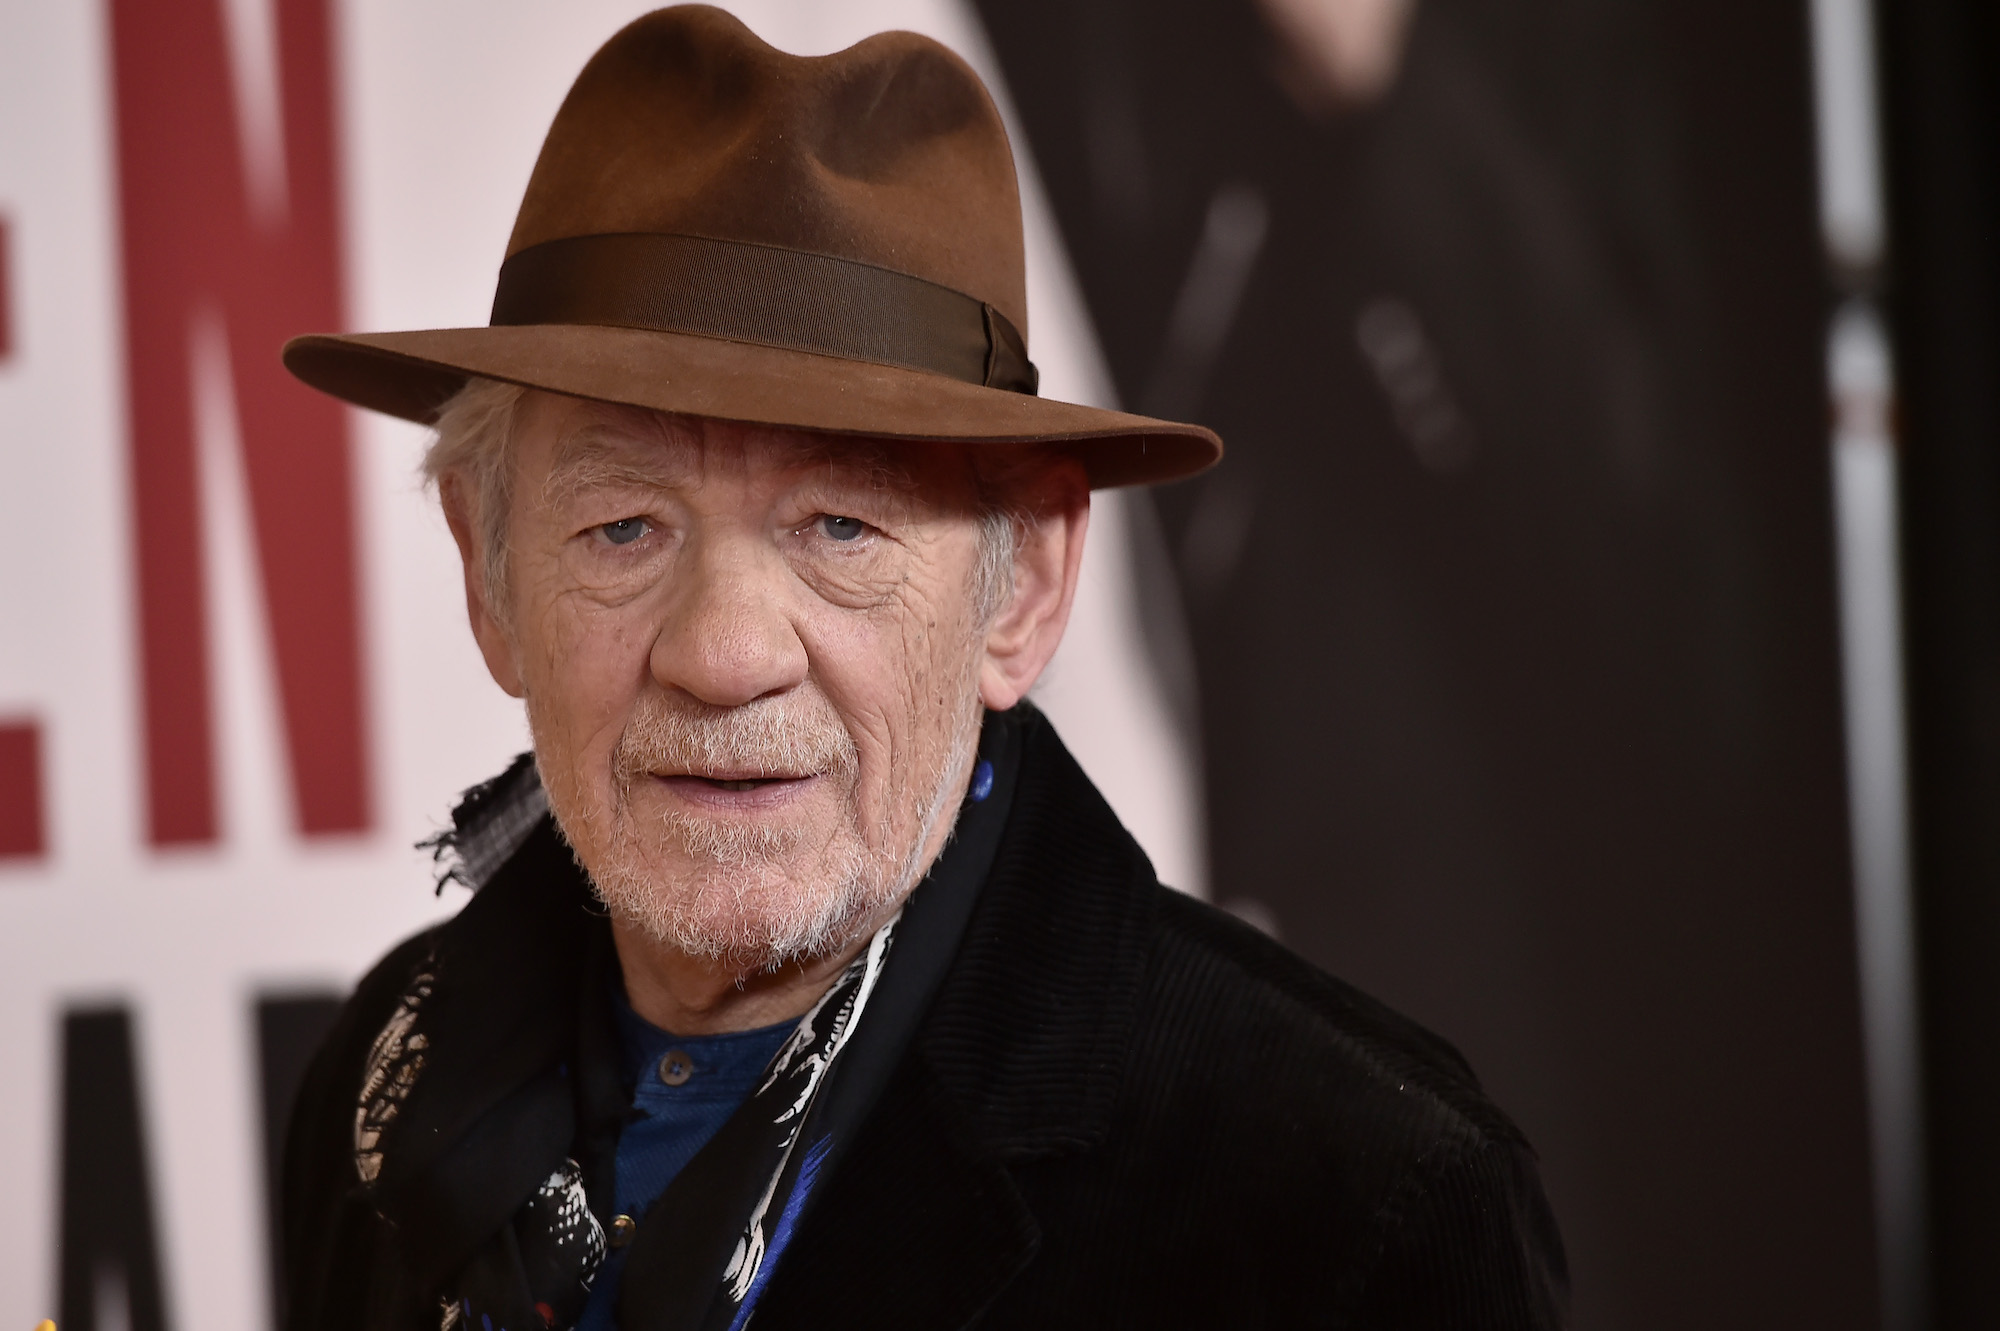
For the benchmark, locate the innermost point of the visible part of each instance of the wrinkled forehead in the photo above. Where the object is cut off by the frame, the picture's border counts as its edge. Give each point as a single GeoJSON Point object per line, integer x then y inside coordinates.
{"type": "Point", "coordinates": [591, 443]}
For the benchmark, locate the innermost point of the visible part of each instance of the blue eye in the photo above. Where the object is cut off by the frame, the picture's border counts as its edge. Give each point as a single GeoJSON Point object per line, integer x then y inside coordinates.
{"type": "Point", "coordinates": [625, 530]}
{"type": "Point", "coordinates": [841, 529]}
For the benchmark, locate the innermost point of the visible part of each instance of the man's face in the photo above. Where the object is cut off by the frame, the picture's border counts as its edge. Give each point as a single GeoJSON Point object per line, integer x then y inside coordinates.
{"type": "Point", "coordinates": [751, 665]}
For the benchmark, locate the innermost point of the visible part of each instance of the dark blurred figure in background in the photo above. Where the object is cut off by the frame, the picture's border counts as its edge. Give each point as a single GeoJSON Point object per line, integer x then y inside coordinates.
{"type": "Point", "coordinates": [1512, 313]}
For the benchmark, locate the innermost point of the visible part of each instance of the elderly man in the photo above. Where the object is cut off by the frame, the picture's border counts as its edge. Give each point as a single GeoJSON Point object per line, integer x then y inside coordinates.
{"type": "Point", "coordinates": [806, 975]}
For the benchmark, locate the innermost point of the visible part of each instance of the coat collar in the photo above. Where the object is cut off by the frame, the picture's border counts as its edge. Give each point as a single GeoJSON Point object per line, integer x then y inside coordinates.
{"type": "Point", "coordinates": [1028, 1035]}
{"type": "Point", "coordinates": [1020, 1058]}
{"type": "Point", "coordinates": [492, 1113]}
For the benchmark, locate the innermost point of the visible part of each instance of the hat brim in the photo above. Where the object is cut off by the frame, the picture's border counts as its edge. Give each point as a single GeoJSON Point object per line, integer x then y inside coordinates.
{"type": "Point", "coordinates": [412, 375]}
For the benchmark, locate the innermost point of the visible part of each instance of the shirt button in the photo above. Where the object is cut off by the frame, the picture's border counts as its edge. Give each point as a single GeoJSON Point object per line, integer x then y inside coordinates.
{"type": "Point", "coordinates": [623, 1227]}
{"type": "Point", "coordinates": [676, 1068]}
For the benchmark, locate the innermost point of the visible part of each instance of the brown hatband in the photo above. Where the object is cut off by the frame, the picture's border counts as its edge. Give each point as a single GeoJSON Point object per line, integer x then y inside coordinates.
{"type": "Point", "coordinates": [765, 294]}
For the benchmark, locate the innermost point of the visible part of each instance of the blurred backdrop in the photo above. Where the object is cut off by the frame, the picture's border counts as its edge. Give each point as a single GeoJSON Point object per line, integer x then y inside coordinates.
{"type": "Point", "coordinates": [1539, 659]}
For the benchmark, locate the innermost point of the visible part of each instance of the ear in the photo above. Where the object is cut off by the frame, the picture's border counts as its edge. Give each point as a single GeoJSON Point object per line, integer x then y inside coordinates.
{"type": "Point", "coordinates": [1024, 635]}
{"type": "Point", "coordinates": [494, 643]}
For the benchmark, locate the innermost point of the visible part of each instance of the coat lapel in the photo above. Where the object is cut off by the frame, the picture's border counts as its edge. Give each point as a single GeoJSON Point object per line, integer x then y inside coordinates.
{"type": "Point", "coordinates": [492, 1112]}
{"type": "Point", "coordinates": [920, 1229]}
{"type": "Point", "coordinates": [1020, 1058]}
{"type": "Point", "coordinates": [1030, 1034]}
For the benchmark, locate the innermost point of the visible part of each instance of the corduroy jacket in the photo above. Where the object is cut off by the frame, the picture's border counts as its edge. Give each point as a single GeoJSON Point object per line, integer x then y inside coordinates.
{"type": "Point", "coordinates": [1123, 1109]}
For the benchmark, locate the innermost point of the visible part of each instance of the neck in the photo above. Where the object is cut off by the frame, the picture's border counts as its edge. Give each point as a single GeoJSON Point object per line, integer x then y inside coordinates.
{"type": "Point", "coordinates": [703, 996]}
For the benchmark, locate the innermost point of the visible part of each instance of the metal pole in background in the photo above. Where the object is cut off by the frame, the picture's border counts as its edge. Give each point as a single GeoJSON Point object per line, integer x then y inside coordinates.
{"type": "Point", "coordinates": [1861, 381]}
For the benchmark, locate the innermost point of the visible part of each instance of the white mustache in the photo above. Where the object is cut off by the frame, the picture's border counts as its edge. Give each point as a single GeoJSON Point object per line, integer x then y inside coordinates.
{"type": "Point", "coordinates": [796, 734]}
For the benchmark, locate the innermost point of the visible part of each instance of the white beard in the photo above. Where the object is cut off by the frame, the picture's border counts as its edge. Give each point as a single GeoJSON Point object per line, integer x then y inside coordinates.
{"type": "Point", "coordinates": [754, 897]}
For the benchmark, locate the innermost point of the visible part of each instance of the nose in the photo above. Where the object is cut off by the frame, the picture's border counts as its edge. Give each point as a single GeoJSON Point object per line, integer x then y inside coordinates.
{"type": "Point", "coordinates": [727, 639]}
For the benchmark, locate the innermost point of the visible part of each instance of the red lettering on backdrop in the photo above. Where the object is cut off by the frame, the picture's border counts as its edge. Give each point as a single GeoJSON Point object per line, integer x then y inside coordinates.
{"type": "Point", "coordinates": [6, 298]}
{"type": "Point", "coordinates": [192, 243]}
{"type": "Point", "coordinates": [21, 789]}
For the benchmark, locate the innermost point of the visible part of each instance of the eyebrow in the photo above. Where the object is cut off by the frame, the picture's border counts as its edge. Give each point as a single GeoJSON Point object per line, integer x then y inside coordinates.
{"type": "Point", "coordinates": [606, 455]}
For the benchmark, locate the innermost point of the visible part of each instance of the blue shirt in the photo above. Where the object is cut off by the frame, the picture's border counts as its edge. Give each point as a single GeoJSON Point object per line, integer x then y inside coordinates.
{"type": "Point", "coordinates": [684, 1088]}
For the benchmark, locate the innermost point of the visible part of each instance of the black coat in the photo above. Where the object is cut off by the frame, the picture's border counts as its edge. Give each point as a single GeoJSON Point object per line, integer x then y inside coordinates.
{"type": "Point", "coordinates": [1123, 1109]}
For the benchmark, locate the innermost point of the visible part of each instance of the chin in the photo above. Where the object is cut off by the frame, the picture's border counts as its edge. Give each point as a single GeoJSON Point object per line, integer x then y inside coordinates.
{"type": "Point", "coordinates": [745, 911]}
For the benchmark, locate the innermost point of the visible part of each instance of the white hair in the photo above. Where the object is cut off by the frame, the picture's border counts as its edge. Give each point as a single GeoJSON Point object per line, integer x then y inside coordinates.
{"type": "Point", "coordinates": [474, 446]}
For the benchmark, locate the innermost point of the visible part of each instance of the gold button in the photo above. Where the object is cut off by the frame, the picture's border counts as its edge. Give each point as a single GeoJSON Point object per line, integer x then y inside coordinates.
{"type": "Point", "coordinates": [623, 1227]}
{"type": "Point", "coordinates": [676, 1068]}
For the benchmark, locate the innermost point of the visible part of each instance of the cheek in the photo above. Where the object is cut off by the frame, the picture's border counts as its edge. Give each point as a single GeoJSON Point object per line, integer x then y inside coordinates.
{"type": "Point", "coordinates": [937, 641]}
{"type": "Point", "coordinates": [858, 660]}
{"type": "Point", "coordinates": [899, 675]}
{"type": "Point", "coordinates": [587, 665]}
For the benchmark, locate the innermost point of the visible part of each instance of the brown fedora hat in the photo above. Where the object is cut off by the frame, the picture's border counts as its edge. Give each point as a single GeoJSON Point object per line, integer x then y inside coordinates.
{"type": "Point", "coordinates": [717, 228]}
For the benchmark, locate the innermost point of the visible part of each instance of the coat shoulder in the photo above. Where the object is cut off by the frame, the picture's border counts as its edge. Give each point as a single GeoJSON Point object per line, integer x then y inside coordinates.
{"type": "Point", "coordinates": [1284, 1150]}
{"type": "Point", "coordinates": [1218, 986]}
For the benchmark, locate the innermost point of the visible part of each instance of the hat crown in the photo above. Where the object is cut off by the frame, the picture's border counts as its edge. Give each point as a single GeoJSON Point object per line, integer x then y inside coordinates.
{"type": "Point", "coordinates": [889, 153]}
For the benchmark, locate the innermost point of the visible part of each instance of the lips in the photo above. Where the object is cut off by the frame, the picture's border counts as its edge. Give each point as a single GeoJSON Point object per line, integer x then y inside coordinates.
{"type": "Point", "coordinates": [735, 780]}
{"type": "Point", "coordinates": [735, 790]}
